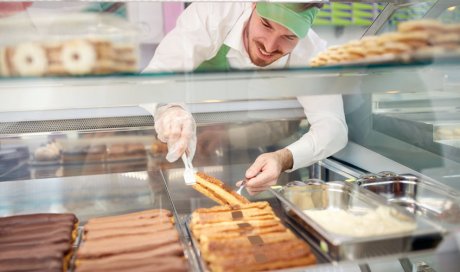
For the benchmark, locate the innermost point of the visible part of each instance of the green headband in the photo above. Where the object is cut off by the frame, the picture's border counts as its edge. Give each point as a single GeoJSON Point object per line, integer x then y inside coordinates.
{"type": "Point", "coordinates": [289, 15]}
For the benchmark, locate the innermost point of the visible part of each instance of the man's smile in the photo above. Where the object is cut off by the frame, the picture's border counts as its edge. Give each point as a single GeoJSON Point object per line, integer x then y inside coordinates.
{"type": "Point", "coordinates": [264, 53]}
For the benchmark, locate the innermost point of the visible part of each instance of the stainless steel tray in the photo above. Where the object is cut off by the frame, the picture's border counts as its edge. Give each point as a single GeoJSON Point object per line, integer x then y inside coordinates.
{"type": "Point", "coordinates": [201, 264]}
{"type": "Point", "coordinates": [341, 196]}
{"type": "Point", "coordinates": [434, 201]}
{"type": "Point", "coordinates": [75, 246]}
{"type": "Point", "coordinates": [195, 246]}
{"type": "Point", "coordinates": [189, 251]}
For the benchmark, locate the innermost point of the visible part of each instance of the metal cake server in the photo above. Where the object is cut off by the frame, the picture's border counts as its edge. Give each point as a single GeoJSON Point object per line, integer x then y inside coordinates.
{"type": "Point", "coordinates": [189, 173]}
{"type": "Point", "coordinates": [245, 180]}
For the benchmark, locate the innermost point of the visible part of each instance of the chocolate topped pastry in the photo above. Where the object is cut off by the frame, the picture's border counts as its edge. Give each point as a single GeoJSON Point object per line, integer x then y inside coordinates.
{"type": "Point", "coordinates": [32, 265]}
{"type": "Point", "coordinates": [36, 227]}
{"type": "Point", "coordinates": [37, 218]}
{"type": "Point", "coordinates": [38, 238]}
{"type": "Point", "coordinates": [36, 242]}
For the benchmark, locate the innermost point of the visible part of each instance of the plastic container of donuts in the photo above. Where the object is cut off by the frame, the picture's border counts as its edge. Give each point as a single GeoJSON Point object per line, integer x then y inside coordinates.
{"type": "Point", "coordinates": [68, 45]}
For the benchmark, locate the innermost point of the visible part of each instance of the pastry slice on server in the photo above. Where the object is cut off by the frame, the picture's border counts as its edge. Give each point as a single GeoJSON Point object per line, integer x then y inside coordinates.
{"type": "Point", "coordinates": [216, 190]}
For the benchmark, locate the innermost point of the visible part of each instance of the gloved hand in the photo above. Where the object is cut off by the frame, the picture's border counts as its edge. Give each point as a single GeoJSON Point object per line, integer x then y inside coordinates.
{"type": "Point", "coordinates": [176, 127]}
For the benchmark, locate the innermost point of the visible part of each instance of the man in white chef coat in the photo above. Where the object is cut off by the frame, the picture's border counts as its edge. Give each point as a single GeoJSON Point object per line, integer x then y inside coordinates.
{"type": "Point", "coordinates": [225, 36]}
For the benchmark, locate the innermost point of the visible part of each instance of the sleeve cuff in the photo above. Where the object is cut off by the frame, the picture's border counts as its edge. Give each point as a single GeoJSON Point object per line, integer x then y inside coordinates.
{"type": "Point", "coordinates": [302, 154]}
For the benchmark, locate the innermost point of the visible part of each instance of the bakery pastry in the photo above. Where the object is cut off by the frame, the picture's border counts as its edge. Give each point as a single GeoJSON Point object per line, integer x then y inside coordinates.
{"type": "Point", "coordinates": [247, 237]}
{"type": "Point", "coordinates": [37, 242]}
{"type": "Point", "coordinates": [96, 153]}
{"type": "Point", "coordinates": [131, 151]}
{"type": "Point", "coordinates": [37, 218]}
{"type": "Point", "coordinates": [217, 190]}
{"type": "Point", "coordinates": [231, 229]}
{"type": "Point", "coordinates": [78, 57]}
{"type": "Point", "coordinates": [159, 148]}
{"type": "Point", "coordinates": [147, 214]}
{"type": "Point", "coordinates": [75, 154]}
{"type": "Point", "coordinates": [126, 58]}
{"type": "Point", "coordinates": [28, 59]}
{"type": "Point", "coordinates": [413, 40]}
{"type": "Point", "coordinates": [452, 28]}
{"type": "Point", "coordinates": [448, 41]}
{"type": "Point", "coordinates": [251, 211]}
{"type": "Point", "coordinates": [270, 257]}
{"type": "Point", "coordinates": [120, 232]}
{"type": "Point", "coordinates": [165, 263]}
{"type": "Point", "coordinates": [50, 152]}
{"type": "Point", "coordinates": [140, 241]}
{"type": "Point", "coordinates": [426, 25]}
{"type": "Point", "coordinates": [127, 224]}
{"type": "Point", "coordinates": [168, 250]}
{"type": "Point", "coordinates": [83, 154]}
{"type": "Point", "coordinates": [130, 243]}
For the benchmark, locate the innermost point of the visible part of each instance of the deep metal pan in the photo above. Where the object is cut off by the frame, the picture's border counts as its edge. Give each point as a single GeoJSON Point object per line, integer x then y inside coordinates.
{"type": "Point", "coordinates": [434, 201]}
{"type": "Point", "coordinates": [338, 195]}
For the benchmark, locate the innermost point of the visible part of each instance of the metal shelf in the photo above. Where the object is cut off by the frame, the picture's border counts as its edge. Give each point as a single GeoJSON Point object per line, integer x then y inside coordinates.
{"type": "Point", "coordinates": [29, 94]}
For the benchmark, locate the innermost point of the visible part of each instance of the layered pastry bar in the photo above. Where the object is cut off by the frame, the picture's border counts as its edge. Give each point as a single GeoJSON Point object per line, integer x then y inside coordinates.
{"type": "Point", "coordinates": [247, 237]}
{"type": "Point", "coordinates": [121, 152]}
{"type": "Point", "coordinates": [216, 190]}
{"type": "Point", "coordinates": [84, 154]}
{"type": "Point", "coordinates": [37, 242]}
{"type": "Point", "coordinates": [74, 155]}
{"type": "Point", "coordinates": [141, 241]}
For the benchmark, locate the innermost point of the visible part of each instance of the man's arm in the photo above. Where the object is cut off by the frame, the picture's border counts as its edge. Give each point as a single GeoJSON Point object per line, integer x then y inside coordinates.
{"type": "Point", "coordinates": [328, 134]}
{"type": "Point", "coordinates": [328, 130]}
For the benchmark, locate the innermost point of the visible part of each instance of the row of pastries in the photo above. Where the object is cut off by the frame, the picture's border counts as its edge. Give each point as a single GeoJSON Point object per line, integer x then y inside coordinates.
{"type": "Point", "coordinates": [428, 36]}
{"type": "Point", "coordinates": [136, 241]}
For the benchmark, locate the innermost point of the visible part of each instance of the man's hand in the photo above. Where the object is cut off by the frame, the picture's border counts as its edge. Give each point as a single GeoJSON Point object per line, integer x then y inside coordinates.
{"type": "Point", "coordinates": [176, 127]}
{"type": "Point", "coordinates": [266, 169]}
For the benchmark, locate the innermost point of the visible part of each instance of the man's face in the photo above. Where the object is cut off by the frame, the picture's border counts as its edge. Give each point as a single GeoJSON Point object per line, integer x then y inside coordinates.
{"type": "Point", "coordinates": [267, 41]}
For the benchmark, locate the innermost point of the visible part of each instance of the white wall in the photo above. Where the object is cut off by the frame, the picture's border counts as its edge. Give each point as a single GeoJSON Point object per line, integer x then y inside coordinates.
{"type": "Point", "coordinates": [149, 17]}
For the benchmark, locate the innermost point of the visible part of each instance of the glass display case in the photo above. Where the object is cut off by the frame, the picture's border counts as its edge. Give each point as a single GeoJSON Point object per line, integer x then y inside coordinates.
{"type": "Point", "coordinates": [85, 143]}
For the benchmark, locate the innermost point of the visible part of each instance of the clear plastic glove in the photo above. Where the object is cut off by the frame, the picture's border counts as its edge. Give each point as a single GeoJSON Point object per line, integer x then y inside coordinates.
{"type": "Point", "coordinates": [265, 170]}
{"type": "Point", "coordinates": [176, 127]}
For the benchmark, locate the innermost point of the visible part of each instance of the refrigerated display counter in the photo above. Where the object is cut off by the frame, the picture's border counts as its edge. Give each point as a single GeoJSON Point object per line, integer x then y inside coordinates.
{"type": "Point", "coordinates": [82, 144]}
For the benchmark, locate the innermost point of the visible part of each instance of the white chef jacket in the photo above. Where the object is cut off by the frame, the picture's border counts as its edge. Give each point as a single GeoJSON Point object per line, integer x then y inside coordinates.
{"type": "Point", "coordinates": [199, 34]}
